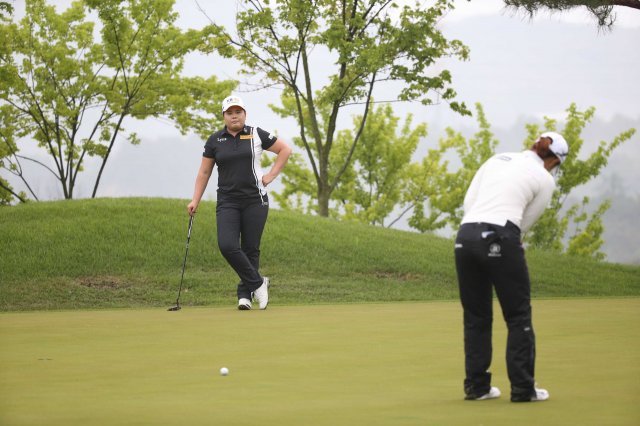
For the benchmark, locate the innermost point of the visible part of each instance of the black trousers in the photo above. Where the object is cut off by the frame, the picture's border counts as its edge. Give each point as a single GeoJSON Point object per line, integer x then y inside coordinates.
{"type": "Point", "coordinates": [240, 223]}
{"type": "Point", "coordinates": [490, 256]}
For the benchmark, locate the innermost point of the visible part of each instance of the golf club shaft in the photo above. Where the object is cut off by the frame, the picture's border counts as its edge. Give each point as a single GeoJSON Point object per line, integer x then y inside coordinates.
{"type": "Point", "coordinates": [184, 263]}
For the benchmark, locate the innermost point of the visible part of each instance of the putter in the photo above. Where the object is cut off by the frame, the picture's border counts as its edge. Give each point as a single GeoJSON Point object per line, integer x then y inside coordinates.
{"type": "Point", "coordinates": [184, 263]}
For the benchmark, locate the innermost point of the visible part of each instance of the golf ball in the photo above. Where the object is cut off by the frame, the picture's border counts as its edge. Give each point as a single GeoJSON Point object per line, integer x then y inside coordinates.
{"type": "Point", "coordinates": [224, 371]}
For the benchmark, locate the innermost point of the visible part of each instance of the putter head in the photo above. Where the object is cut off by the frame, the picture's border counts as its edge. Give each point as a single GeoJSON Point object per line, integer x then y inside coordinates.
{"type": "Point", "coordinates": [174, 308]}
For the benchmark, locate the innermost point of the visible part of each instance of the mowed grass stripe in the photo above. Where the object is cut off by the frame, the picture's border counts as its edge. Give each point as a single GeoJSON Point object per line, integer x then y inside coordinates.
{"type": "Point", "coordinates": [374, 364]}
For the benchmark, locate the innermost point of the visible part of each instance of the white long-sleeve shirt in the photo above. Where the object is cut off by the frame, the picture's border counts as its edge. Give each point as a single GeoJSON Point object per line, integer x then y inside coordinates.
{"type": "Point", "coordinates": [513, 186]}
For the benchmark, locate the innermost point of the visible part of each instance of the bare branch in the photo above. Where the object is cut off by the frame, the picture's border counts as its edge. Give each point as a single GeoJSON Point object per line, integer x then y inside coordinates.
{"type": "Point", "coordinates": [40, 163]}
{"type": "Point", "coordinates": [8, 189]}
{"type": "Point", "coordinates": [347, 161]}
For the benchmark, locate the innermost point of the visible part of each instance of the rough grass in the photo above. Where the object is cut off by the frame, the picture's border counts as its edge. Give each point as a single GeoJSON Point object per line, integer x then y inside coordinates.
{"type": "Point", "coordinates": [107, 253]}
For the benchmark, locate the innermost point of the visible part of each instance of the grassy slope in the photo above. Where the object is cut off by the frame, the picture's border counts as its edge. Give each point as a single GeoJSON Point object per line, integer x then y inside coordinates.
{"type": "Point", "coordinates": [129, 252]}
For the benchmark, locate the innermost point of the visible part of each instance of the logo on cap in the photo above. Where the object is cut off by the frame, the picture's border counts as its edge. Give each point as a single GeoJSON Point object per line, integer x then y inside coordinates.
{"type": "Point", "coordinates": [230, 101]}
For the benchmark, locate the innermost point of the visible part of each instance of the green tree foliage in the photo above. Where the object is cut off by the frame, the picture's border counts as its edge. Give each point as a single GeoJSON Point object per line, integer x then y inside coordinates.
{"type": "Point", "coordinates": [436, 189]}
{"type": "Point", "coordinates": [603, 10]}
{"type": "Point", "coordinates": [6, 10]}
{"type": "Point", "coordinates": [351, 47]}
{"type": "Point", "coordinates": [438, 193]}
{"type": "Point", "coordinates": [554, 226]}
{"type": "Point", "coordinates": [71, 92]}
{"type": "Point", "coordinates": [373, 183]}
{"type": "Point", "coordinates": [433, 189]}
{"type": "Point", "coordinates": [587, 238]}
{"type": "Point", "coordinates": [9, 158]}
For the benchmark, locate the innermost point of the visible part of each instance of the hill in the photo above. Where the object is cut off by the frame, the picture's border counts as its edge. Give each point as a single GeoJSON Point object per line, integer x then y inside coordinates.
{"type": "Point", "coordinates": [128, 252]}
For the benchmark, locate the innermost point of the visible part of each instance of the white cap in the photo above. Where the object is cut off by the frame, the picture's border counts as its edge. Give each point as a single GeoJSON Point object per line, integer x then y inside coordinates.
{"type": "Point", "coordinates": [558, 146]}
{"type": "Point", "coordinates": [232, 100]}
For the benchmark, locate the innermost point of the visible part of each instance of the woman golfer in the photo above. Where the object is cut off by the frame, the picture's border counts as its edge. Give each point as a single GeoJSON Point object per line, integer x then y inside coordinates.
{"type": "Point", "coordinates": [242, 205]}
{"type": "Point", "coordinates": [505, 198]}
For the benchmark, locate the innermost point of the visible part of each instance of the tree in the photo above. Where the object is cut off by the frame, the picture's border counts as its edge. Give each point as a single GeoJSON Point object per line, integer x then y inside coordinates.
{"type": "Point", "coordinates": [351, 46]}
{"type": "Point", "coordinates": [382, 179]}
{"type": "Point", "coordinates": [6, 10]}
{"type": "Point", "coordinates": [587, 240]}
{"type": "Point", "coordinates": [436, 194]}
{"type": "Point", "coordinates": [603, 10]}
{"type": "Point", "coordinates": [9, 158]}
{"type": "Point", "coordinates": [72, 94]}
{"type": "Point", "coordinates": [554, 225]}
{"type": "Point", "coordinates": [374, 182]}
{"type": "Point", "coordinates": [439, 192]}
{"type": "Point", "coordinates": [435, 188]}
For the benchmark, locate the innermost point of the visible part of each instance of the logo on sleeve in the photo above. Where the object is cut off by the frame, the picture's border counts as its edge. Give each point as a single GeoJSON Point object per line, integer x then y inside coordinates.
{"type": "Point", "coordinates": [270, 136]}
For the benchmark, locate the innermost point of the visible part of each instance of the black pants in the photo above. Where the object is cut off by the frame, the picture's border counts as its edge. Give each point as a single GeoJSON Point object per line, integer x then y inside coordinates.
{"type": "Point", "coordinates": [240, 223]}
{"type": "Point", "coordinates": [490, 256]}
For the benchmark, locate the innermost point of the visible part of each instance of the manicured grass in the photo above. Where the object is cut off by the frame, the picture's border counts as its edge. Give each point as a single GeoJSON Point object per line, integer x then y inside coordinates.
{"type": "Point", "coordinates": [328, 351]}
{"type": "Point", "coordinates": [363, 364]}
{"type": "Point", "coordinates": [108, 253]}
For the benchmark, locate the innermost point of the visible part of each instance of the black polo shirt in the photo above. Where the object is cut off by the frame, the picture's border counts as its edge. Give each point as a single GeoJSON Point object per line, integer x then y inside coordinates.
{"type": "Point", "coordinates": [238, 160]}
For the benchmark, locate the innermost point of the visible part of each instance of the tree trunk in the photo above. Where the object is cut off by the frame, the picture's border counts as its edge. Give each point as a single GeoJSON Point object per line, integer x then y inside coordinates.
{"type": "Point", "coordinates": [106, 157]}
{"type": "Point", "coordinates": [324, 186]}
{"type": "Point", "coordinates": [324, 194]}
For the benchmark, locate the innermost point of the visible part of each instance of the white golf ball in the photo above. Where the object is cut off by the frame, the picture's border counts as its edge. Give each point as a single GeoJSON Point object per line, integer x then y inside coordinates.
{"type": "Point", "coordinates": [224, 371]}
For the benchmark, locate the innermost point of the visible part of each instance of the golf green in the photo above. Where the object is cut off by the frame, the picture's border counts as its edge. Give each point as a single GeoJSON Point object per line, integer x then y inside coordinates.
{"type": "Point", "coordinates": [364, 364]}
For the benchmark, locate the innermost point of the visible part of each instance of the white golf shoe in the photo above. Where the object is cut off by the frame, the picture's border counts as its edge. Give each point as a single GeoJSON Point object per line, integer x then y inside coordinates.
{"type": "Point", "coordinates": [541, 395]}
{"type": "Point", "coordinates": [261, 294]}
{"type": "Point", "coordinates": [493, 393]}
{"type": "Point", "coordinates": [244, 304]}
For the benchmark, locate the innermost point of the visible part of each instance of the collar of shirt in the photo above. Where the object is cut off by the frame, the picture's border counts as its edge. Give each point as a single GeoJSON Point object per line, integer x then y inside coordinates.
{"type": "Point", "coordinates": [246, 130]}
